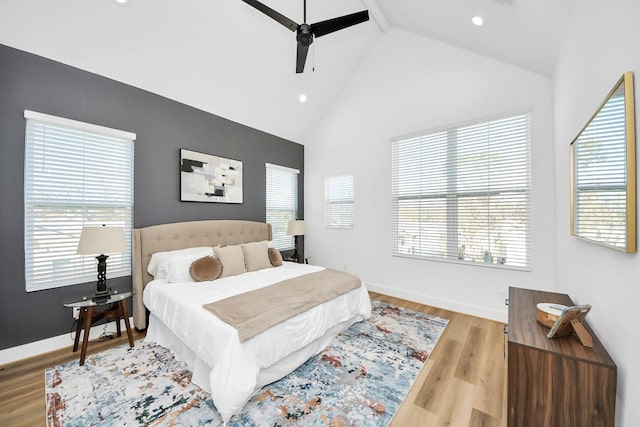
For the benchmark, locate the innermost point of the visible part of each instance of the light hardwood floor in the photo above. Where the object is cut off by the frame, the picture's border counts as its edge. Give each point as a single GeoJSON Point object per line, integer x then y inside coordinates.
{"type": "Point", "coordinates": [462, 384]}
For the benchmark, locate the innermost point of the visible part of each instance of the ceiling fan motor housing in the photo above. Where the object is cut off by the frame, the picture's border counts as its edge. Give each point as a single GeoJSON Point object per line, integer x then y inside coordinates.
{"type": "Point", "coordinates": [304, 35]}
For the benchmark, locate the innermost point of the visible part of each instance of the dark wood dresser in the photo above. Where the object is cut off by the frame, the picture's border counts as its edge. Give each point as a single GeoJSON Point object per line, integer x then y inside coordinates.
{"type": "Point", "coordinates": [555, 382]}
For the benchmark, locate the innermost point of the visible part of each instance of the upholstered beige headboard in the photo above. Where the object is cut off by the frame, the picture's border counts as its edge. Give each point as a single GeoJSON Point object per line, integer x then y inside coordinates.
{"type": "Point", "coordinates": [180, 235]}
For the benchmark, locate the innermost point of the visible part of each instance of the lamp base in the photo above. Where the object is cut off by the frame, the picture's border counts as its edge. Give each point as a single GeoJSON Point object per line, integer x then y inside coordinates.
{"type": "Point", "coordinates": [101, 295]}
{"type": "Point", "coordinates": [296, 256]}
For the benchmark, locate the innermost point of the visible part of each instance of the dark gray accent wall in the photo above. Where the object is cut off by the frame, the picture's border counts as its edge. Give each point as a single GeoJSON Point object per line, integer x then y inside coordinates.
{"type": "Point", "coordinates": [162, 126]}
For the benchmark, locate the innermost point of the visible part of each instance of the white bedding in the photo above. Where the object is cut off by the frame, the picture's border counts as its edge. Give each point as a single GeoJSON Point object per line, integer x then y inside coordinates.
{"type": "Point", "coordinates": [235, 370]}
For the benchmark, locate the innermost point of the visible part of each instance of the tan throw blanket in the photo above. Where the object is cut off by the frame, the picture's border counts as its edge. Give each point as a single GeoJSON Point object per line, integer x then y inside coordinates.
{"type": "Point", "coordinates": [256, 311]}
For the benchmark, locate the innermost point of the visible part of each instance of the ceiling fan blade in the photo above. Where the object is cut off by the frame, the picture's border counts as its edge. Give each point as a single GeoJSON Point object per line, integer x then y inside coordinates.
{"type": "Point", "coordinates": [301, 57]}
{"type": "Point", "coordinates": [330, 25]}
{"type": "Point", "coordinates": [273, 14]}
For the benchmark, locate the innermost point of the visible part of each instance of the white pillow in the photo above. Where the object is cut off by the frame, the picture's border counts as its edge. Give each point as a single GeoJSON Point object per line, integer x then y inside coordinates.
{"type": "Point", "coordinates": [178, 268]}
{"type": "Point", "coordinates": [160, 262]}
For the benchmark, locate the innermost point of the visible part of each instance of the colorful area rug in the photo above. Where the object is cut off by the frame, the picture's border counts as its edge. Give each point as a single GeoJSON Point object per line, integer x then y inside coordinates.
{"type": "Point", "coordinates": [360, 379]}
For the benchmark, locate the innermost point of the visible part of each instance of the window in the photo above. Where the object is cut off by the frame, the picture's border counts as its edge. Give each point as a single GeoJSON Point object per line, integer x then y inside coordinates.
{"type": "Point", "coordinates": [338, 202]}
{"type": "Point", "coordinates": [462, 194]}
{"type": "Point", "coordinates": [76, 175]}
{"type": "Point", "coordinates": [282, 203]}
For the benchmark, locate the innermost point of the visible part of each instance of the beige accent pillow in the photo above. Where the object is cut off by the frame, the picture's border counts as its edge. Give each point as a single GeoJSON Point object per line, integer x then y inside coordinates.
{"type": "Point", "coordinates": [205, 269]}
{"type": "Point", "coordinates": [256, 256]}
{"type": "Point", "coordinates": [275, 257]}
{"type": "Point", "coordinates": [232, 260]}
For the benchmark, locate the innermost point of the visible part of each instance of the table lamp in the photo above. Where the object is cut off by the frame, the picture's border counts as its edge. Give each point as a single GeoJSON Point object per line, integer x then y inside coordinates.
{"type": "Point", "coordinates": [295, 228]}
{"type": "Point", "coordinates": [101, 240]}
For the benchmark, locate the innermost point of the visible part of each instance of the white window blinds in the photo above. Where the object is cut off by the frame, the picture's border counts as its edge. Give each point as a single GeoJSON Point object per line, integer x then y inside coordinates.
{"type": "Point", "coordinates": [462, 194]}
{"type": "Point", "coordinates": [282, 203]}
{"type": "Point", "coordinates": [600, 176]}
{"type": "Point", "coordinates": [76, 175]}
{"type": "Point", "coordinates": [338, 202]}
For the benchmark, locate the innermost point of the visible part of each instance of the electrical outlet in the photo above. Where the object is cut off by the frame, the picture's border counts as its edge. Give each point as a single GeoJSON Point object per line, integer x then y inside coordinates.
{"type": "Point", "coordinates": [501, 295]}
{"type": "Point", "coordinates": [76, 312]}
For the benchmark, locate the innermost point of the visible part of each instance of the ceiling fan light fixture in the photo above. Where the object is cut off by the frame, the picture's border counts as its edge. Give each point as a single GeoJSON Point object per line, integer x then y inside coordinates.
{"type": "Point", "coordinates": [477, 21]}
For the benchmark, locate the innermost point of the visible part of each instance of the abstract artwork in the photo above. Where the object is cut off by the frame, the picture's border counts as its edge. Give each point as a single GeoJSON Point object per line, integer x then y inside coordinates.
{"type": "Point", "coordinates": [207, 178]}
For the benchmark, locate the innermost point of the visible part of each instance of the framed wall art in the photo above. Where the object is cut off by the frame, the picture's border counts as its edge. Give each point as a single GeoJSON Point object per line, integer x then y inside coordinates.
{"type": "Point", "coordinates": [208, 178]}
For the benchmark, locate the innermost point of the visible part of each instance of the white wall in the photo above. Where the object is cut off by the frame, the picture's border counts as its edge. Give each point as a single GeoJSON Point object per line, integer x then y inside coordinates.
{"type": "Point", "coordinates": [602, 42]}
{"type": "Point", "coordinates": [406, 84]}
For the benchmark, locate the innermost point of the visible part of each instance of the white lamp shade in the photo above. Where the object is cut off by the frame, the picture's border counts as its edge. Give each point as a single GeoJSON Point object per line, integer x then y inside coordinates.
{"type": "Point", "coordinates": [101, 240]}
{"type": "Point", "coordinates": [296, 228]}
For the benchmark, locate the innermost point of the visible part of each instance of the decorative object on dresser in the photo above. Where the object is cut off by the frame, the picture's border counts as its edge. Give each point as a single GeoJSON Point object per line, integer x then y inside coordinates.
{"type": "Point", "coordinates": [101, 240]}
{"type": "Point", "coordinates": [555, 382]}
{"type": "Point", "coordinates": [296, 228]}
{"type": "Point", "coordinates": [547, 313]}
{"type": "Point", "coordinates": [207, 178]}
{"type": "Point", "coordinates": [570, 321]}
{"type": "Point", "coordinates": [563, 320]}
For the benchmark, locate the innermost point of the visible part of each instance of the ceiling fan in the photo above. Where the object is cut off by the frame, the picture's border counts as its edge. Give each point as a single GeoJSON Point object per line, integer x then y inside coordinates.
{"type": "Point", "coordinates": [305, 33]}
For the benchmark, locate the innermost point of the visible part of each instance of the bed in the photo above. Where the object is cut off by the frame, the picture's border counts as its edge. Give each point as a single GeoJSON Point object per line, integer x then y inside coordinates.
{"type": "Point", "coordinates": [231, 370]}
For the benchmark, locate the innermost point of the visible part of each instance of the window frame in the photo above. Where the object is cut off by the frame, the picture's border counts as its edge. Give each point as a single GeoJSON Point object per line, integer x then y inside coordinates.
{"type": "Point", "coordinates": [279, 228]}
{"type": "Point", "coordinates": [342, 221]}
{"type": "Point", "coordinates": [62, 218]}
{"type": "Point", "coordinates": [449, 225]}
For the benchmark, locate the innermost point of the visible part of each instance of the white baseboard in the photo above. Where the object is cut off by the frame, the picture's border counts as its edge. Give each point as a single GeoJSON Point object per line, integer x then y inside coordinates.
{"type": "Point", "coordinates": [55, 343]}
{"type": "Point", "coordinates": [473, 310]}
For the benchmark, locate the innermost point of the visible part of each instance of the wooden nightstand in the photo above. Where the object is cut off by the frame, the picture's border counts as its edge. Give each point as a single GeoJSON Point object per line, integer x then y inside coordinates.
{"type": "Point", "coordinates": [88, 316]}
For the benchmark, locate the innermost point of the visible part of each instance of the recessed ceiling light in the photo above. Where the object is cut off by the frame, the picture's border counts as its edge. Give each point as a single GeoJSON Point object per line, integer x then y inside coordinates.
{"type": "Point", "coordinates": [303, 98]}
{"type": "Point", "coordinates": [477, 20]}
{"type": "Point", "coordinates": [121, 2]}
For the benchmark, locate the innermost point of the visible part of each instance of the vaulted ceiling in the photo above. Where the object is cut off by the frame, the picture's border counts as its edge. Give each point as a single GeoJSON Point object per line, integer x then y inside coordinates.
{"type": "Point", "coordinates": [227, 58]}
